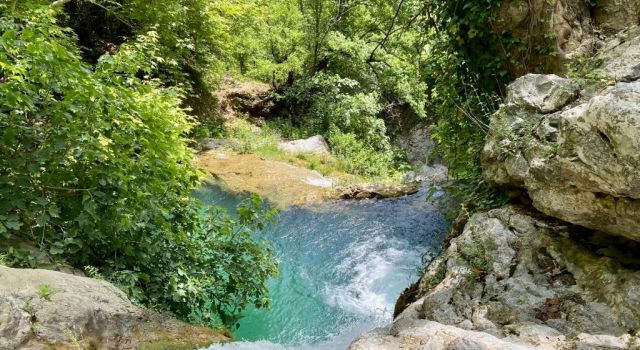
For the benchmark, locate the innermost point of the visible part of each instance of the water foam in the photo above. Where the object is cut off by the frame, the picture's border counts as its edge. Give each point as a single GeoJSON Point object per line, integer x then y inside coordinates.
{"type": "Point", "coordinates": [343, 264]}
{"type": "Point", "coordinates": [368, 263]}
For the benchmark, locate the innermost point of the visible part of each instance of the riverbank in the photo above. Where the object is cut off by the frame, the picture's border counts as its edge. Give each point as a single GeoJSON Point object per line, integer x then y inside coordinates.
{"type": "Point", "coordinates": [285, 184]}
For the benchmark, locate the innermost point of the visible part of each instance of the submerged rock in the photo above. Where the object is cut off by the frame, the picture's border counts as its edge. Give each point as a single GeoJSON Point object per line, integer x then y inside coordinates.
{"type": "Point", "coordinates": [315, 144]}
{"type": "Point", "coordinates": [515, 280]}
{"type": "Point", "coordinates": [41, 309]}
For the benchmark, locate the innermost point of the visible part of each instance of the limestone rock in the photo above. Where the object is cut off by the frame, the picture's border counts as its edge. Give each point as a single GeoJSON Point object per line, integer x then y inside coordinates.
{"type": "Point", "coordinates": [581, 165]}
{"type": "Point", "coordinates": [41, 309]}
{"type": "Point", "coordinates": [578, 162]}
{"type": "Point", "coordinates": [621, 56]}
{"type": "Point", "coordinates": [515, 280]}
{"type": "Point", "coordinates": [378, 191]}
{"type": "Point", "coordinates": [422, 334]}
{"type": "Point", "coordinates": [315, 144]}
{"type": "Point", "coordinates": [416, 143]}
{"type": "Point", "coordinates": [542, 93]}
{"type": "Point", "coordinates": [616, 15]}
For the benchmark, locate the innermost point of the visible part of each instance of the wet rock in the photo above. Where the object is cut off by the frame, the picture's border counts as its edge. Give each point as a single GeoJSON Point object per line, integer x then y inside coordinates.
{"type": "Point", "coordinates": [516, 280]}
{"type": "Point", "coordinates": [41, 309]}
{"type": "Point", "coordinates": [281, 183]}
{"type": "Point", "coordinates": [378, 191]}
{"type": "Point", "coordinates": [315, 144]}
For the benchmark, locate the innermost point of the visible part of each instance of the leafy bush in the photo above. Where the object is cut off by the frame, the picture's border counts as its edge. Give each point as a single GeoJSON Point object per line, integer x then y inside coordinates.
{"type": "Point", "coordinates": [248, 138]}
{"type": "Point", "coordinates": [358, 157]}
{"type": "Point", "coordinates": [95, 171]}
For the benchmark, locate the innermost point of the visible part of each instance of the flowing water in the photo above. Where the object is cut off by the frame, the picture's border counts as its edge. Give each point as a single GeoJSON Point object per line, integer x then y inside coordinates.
{"type": "Point", "coordinates": [342, 266]}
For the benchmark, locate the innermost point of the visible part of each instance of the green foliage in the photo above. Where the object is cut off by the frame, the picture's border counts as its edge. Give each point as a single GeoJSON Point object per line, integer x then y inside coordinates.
{"type": "Point", "coordinates": [360, 158]}
{"type": "Point", "coordinates": [96, 171]}
{"type": "Point", "coordinates": [586, 73]}
{"type": "Point", "coordinates": [45, 291]}
{"type": "Point", "coordinates": [335, 107]}
{"type": "Point", "coordinates": [248, 138]}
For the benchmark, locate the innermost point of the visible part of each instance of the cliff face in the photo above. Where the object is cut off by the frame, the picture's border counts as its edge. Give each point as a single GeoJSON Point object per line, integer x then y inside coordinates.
{"type": "Point", "coordinates": [572, 28]}
{"type": "Point", "coordinates": [566, 273]}
{"type": "Point", "coordinates": [575, 148]}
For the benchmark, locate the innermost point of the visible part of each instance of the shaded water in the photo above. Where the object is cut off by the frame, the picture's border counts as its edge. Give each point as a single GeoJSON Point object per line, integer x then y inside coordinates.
{"type": "Point", "coordinates": [343, 265]}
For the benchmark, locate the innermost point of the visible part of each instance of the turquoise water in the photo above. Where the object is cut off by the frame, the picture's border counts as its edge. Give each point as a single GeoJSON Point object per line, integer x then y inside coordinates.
{"type": "Point", "coordinates": [343, 265]}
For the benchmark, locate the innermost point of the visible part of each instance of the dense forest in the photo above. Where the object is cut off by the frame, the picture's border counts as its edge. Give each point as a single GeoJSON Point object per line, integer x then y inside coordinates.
{"type": "Point", "coordinates": [100, 101]}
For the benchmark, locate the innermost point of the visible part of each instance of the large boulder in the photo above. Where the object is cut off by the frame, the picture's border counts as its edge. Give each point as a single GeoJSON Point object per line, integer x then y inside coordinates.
{"type": "Point", "coordinates": [315, 144]}
{"type": "Point", "coordinates": [44, 310]}
{"type": "Point", "coordinates": [516, 280]}
{"type": "Point", "coordinates": [542, 93]}
{"type": "Point", "coordinates": [578, 161]}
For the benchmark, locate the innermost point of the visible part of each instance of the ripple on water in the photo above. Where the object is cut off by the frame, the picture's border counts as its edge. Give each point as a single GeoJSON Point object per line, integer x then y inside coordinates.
{"type": "Point", "coordinates": [343, 264]}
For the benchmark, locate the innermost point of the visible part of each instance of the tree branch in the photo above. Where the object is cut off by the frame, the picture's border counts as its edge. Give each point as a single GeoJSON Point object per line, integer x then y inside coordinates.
{"type": "Point", "coordinates": [58, 3]}
{"type": "Point", "coordinates": [389, 31]}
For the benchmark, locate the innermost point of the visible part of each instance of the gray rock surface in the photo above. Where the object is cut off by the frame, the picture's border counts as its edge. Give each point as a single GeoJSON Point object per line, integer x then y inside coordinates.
{"type": "Point", "coordinates": [42, 309]}
{"type": "Point", "coordinates": [542, 93]}
{"type": "Point", "coordinates": [621, 56]}
{"type": "Point", "coordinates": [378, 191]}
{"type": "Point", "coordinates": [432, 174]}
{"type": "Point", "coordinates": [615, 15]}
{"type": "Point", "coordinates": [580, 162]}
{"type": "Point", "coordinates": [515, 280]}
{"type": "Point", "coordinates": [315, 144]}
{"type": "Point", "coordinates": [416, 143]}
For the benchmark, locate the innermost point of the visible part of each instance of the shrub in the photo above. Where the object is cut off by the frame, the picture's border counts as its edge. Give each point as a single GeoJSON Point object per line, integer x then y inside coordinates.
{"type": "Point", "coordinates": [95, 170]}
{"type": "Point", "coordinates": [358, 157]}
